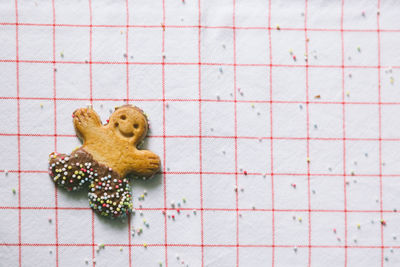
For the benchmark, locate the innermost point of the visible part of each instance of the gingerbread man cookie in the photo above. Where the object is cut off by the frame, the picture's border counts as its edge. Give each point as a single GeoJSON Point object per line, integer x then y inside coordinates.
{"type": "Point", "coordinates": [109, 152]}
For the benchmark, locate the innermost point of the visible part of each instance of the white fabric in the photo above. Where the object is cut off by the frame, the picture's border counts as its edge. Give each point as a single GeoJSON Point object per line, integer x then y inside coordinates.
{"type": "Point", "coordinates": [265, 238]}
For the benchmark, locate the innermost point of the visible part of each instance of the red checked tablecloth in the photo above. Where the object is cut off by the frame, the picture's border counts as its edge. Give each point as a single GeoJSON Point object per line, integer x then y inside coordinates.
{"type": "Point", "coordinates": [277, 123]}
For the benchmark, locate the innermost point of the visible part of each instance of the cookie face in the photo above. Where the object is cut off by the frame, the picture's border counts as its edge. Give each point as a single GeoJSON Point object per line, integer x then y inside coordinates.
{"type": "Point", "coordinates": [109, 153]}
{"type": "Point", "coordinates": [129, 123]}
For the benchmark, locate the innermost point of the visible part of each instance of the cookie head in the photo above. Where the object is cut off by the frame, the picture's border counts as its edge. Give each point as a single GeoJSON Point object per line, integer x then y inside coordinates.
{"type": "Point", "coordinates": [129, 123]}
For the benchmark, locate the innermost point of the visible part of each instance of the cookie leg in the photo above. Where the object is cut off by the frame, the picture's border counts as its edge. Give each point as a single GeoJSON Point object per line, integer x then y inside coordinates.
{"type": "Point", "coordinates": [110, 195]}
{"type": "Point", "coordinates": [70, 171]}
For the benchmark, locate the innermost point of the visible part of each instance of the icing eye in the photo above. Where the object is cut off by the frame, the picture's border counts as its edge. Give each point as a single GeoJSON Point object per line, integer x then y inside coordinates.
{"type": "Point", "coordinates": [123, 117]}
{"type": "Point", "coordinates": [136, 126]}
{"type": "Point", "coordinates": [116, 124]}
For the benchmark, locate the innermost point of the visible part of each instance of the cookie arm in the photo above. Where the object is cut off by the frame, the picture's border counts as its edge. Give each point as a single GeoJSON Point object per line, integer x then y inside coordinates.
{"type": "Point", "coordinates": [86, 122]}
{"type": "Point", "coordinates": [146, 164]}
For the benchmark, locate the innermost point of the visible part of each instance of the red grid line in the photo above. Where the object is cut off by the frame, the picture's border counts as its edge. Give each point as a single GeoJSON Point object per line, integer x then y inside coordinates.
{"type": "Point", "coordinates": [193, 26]}
{"type": "Point", "coordinates": [394, 175]}
{"type": "Point", "coordinates": [195, 64]}
{"type": "Point", "coordinates": [271, 133]}
{"type": "Point", "coordinates": [196, 245]}
{"type": "Point", "coordinates": [235, 128]}
{"type": "Point", "coordinates": [206, 100]}
{"type": "Point", "coordinates": [55, 122]}
{"type": "Point", "coordinates": [308, 135]}
{"type": "Point", "coordinates": [222, 137]}
{"type": "Point", "coordinates": [19, 138]}
{"type": "Point", "coordinates": [211, 209]}
{"type": "Point", "coordinates": [127, 102]}
{"type": "Point", "coordinates": [91, 102]}
{"type": "Point", "coordinates": [380, 129]}
{"type": "Point", "coordinates": [164, 139]}
{"type": "Point", "coordinates": [344, 137]}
